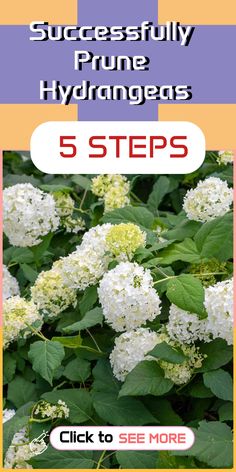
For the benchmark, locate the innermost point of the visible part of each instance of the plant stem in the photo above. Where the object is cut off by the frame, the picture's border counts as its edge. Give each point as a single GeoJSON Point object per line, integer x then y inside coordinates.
{"type": "Point", "coordinates": [176, 276]}
{"type": "Point", "coordinates": [135, 197]}
{"type": "Point", "coordinates": [83, 198]}
{"type": "Point", "coordinates": [94, 340]}
{"type": "Point", "coordinates": [102, 457]}
{"type": "Point", "coordinates": [37, 333]}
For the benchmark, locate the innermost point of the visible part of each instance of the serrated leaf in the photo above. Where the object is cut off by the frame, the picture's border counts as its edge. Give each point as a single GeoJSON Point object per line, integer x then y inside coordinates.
{"type": "Point", "coordinates": [53, 459]}
{"type": "Point", "coordinates": [78, 401]}
{"type": "Point", "coordinates": [29, 273]}
{"type": "Point", "coordinates": [199, 390]}
{"type": "Point", "coordinates": [46, 357]}
{"type": "Point", "coordinates": [104, 380]}
{"type": "Point", "coordinates": [220, 383]}
{"type": "Point", "coordinates": [21, 391]}
{"type": "Point", "coordinates": [88, 300]}
{"type": "Point", "coordinates": [185, 229]}
{"type": "Point", "coordinates": [91, 318]}
{"type": "Point", "coordinates": [9, 367]}
{"type": "Point", "coordinates": [214, 239]}
{"type": "Point", "coordinates": [147, 378]}
{"type": "Point", "coordinates": [185, 251]}
{"type": "Point", "coordinates": [137, 459]}
{"type": "Point", "coordinates": [121, 411]}
{"type": "Point", "coordinates": [187, 293]}
{"type": "Point", "coordinates": [72, 342]}
{"type": "Point", "coordinates": [217, 353]}
{"type": "Point", "coordinates": [226, 412]}
{"type": "Point", "coordinates": [82, 181]}
{"type": "Point", "coordinates": [166, 352]}
{"type": "Point", "coordinates": [139, 215]}
{"type": "Point", "coordinates": [163, 411]}
{"type": "Point", "coordinates": [77, 370]}
{"type": "Point", "coordinates": [160, 189]}
{"type": "Point", "coordinates": [213, 444]}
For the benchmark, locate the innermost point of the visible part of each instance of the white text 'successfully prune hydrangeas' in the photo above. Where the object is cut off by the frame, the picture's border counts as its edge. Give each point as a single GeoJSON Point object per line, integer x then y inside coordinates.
{"type": "Point", "coordinates": [127, 297]}
{"type": "Point", "coordinates": [113, 189]}
{"type": "Point", "coordinates": [211, 198]}
{"type": "Point", "coordinates": [10, 285]}
{"type": "Point", "coordinates": [122, 240]}
{"type": "Point", "coordinates": [225, 157]}
{"type": "Point", "coordinates": [18, 316]}
{"type": "Point", "coordinates": [130, 349]}
{"type": "Point", "coordinates": [28, 214]}
{"type": "Point", "coordinates": [50, 294]}
{"type": "Point", "coordinates": [186, 327]}
{"type": "Point", "coordinates": [219, 307]}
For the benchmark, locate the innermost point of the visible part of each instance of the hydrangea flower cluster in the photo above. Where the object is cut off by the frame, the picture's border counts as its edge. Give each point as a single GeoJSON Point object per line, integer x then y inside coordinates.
{"type": "Point", "coordinates": [86, 265]}
{"type": "Point", "coordinates": [130, 349]}
{"type": "Point", "coordinates": [211, 198]}
{"type": "Point", "coordinates": [113, 189]}
{"type": "Point", "coordinates": [21, 451]}
{"type": "Point", "coordinates": [219, 307]}
{"type": "Point", "coordinates": [73, 225]}
{"type": "Point", "coordinates": [10, 285]}
{"type": "Point", "coordinates": [128, 297]}
{"type": "Point", "coordinates": [50, 294]}
{"type": "Point", "coordinates": [205, 271]}
{"type": "Point", "coordinates": [123, 239]}
{"type": "Point", "coordinates": [18, 315]}
{"type": "Point", "coordinates": [45, 409]}
{"type": "Point", "coordinates": [225, 157]}
{"type": "Point", "coordinates": [186, 327]}
{"type": "Point", "coordinates": [65, 206]}
{"type": "Point", "coordinates": [28, 214]}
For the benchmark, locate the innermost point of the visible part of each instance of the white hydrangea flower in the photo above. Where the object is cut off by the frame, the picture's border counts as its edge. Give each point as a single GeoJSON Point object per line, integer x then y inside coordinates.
{"type": "Point", "coordinates": [116, 197]}
{"type": "Point", "coordinates": [219, 307]}
{"type": "Point", "coordinates": [211, 198]}
{"type": "Point", "coordinates": [50, 294]}
{"type": "Point", "coordinates": [28, 214]}
{"type": "Point", "coordinates": [186, 327]}
{"type": "Point", "coordinates": [225, 157]}
{"type": "Point", "coordinates": [127, 296]}
{"type": "Point", "coordinates": [123, 239]}
{"type": "Point", "coordinates": [73, 225]}
{"type": "Point", "coordinates": [7, 415]}
{"type": "Point", "coordinates": [46, 410]}
{"type": "Point", "coordinates": [64, 204]}
{"type": "Point", "coordinates": [10, 285]}
{"type": "Point", "coordinates": [21, 451]}
{"type": "Point", "coordinates": [130, 349]}
{"type": "Point", "coordinates": [18, 314]}
{"type": "Point", "coordinates": [113, 189]}
{"type": "Point", "coordinates": [95, 239]}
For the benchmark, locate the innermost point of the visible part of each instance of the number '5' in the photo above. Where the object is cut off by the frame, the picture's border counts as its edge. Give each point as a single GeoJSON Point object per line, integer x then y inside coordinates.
{"type": "Point", "coordinates": [71, 146]}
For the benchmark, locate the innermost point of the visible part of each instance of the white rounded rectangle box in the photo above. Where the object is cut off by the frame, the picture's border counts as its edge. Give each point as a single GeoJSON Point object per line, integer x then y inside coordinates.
{"type": "Point", "coordinates": [117, 147]}
{"type": "Point", "coordinates": [122, 438]}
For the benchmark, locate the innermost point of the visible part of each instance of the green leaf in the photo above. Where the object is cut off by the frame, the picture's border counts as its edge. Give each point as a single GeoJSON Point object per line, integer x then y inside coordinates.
{"type": "Point", "coordinates": [187, 293]}
{"type": "Point", "coordinates": [226, 412]}
{"type": "Point", "coordinates": [53, 459]}
{"type": "Point", "coordinates": [82, 181]}
{"type": "Point", "coordinates": [9, 367]}
{"type": "Point", "coordinates": [214, 239]}
{"type": "Point", "coordinates": [121, 411]}
{"type": "Point", "coordinates": [92, 318]}
{"type": "Point", "coordinates": [199, 390]}
{"type": "Point", "coordinates": [163, 411]}
{"type": "Point", "coordinates": [185, 229]}
{"type": "Point", "coordinates": [213, 444]}
{"type": "Point", "coordinates": [160, 189]}
{"type": "Point", "coordinates": [20, 391]}
{"type": "Point", "coordinates": [139, 215]}
{"type": "Point", "coordinates": [165, 460]}
{"type": "Point", "coordinates": [77, 370]}
{"type": "Point", "coordinates": [217, 352]}
{"type": "Point", "coordinates": [55, 188]}
{"type": "Point", "coordinates": [147, 378]}
{"type": "Point", "coordinates": [46, 357]}
{"type": "Point", "coordinates": [72, 342]}
{"type": "Point", "coordinates": [29, 273]}
{"type": "Point", "coordinates": [185, 251]}
{"type": "Point", "coordinates": [88, 300]}
{"type": "Point", "coordinates": [104, 380]}
{"type": "Point", "coordinates": [220, 383]}
{"type": "Point", "coordinates": [78, 401]}
{"type": "Point", "coordinates": [167, 353]}
{"type": "Point", "coordinates": [137, 459]}
{"type": "Point", "coordinates": [39, 250]}
{"type": "Point", "coordinates": [18, 255]}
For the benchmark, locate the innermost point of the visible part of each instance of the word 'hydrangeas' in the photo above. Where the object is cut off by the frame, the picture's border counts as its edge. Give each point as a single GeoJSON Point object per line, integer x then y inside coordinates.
{"type": "Point", "coordinates": [130, 349]}
{"type": "Point", "coordinates": [211, 198]}
{"type": "Point", "coordinates": [18, 314]}
{"type": "Point", "coordinates": [219, 307]}
{"type": "Point", "coordinates": [186, 327]}
{"type": "Point", "coordinates": [50, 294]}
{"type": "Point", "coordinates": [123, 240]}
{"type": "Point", "coordinates": [45, 409]}
{"type": "Point", "coordinates": [127, 296]}
{"type": "Point", "coordinates": [10, 285]}
{"type": "Point", "coordinates": [28, 214]}
{"type": "Point", "coordinates": [113, 189]}
{"type": "Point", "coordinates": [225, 157]}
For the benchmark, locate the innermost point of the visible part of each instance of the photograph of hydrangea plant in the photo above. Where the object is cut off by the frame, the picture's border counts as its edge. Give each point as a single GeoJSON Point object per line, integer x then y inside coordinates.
{"type": "Point", "coordinates": [118, 310]}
